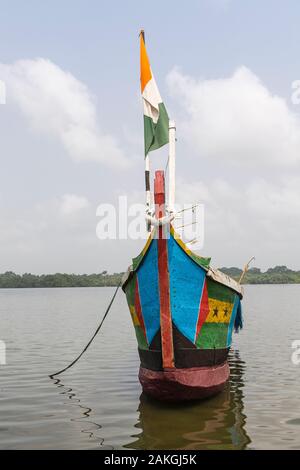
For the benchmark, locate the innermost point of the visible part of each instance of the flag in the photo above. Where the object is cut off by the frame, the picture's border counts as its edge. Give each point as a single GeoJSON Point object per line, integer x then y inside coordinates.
{"type": "Point", "coordinates": [156, 119]}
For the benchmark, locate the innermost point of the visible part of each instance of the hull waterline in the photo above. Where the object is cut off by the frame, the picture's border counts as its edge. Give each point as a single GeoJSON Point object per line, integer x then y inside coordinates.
{"type": "Point", "coordinates": [176, 385]}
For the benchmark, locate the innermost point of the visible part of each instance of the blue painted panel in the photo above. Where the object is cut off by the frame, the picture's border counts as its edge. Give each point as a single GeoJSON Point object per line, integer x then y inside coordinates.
{"type": "Point", "coordinates": [186, 286]}
{"type": "Point", "coordinates": [149, 291]}
{"type": "Point", "coordinates": [232, 319]}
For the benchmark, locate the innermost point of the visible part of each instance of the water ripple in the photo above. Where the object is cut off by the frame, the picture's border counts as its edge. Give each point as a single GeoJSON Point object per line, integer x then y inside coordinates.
{"type": "Point", "coordinates": [98, 404]}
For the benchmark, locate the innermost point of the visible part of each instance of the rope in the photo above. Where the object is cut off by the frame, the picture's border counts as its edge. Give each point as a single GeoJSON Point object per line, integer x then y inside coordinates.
{"type": "Point", "coordinates": [92, 339]}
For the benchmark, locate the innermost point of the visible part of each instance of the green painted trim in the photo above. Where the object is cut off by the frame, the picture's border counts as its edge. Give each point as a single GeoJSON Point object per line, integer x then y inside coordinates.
{"type": "Point", "coordinates": [203, 262]}
{"type": "Point", "coordinates": [219, 291]}
{"type": "Point", "coordinates": [141, 340]}
{"type": "Point", "coordinates": [212, 336]}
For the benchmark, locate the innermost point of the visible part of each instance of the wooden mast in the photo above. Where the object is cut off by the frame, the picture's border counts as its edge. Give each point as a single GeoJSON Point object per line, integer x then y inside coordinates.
{"type": "Point", "coordinates": [163, 275]}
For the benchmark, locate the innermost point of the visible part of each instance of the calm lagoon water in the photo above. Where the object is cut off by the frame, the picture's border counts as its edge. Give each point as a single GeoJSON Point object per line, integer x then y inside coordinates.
{"type": "Point", "coordinates": [98, 403]}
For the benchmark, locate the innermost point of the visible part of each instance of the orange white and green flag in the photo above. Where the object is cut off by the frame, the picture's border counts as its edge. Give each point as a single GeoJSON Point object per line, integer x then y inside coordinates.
{"type": "Point", "coordinates": [156, 119]}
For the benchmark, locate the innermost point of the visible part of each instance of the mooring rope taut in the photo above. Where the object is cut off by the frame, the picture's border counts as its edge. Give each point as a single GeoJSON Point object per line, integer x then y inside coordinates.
{"type": "Point", "coordinates": [92, 339]}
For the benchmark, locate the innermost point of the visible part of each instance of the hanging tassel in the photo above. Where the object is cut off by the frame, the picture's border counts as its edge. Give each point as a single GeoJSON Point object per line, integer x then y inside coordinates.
{"type": "Point", "coordinates": [238, 322]}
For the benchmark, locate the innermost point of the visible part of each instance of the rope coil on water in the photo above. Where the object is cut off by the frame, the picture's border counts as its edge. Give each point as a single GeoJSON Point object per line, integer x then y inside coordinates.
{"type": "Point", "coordinates": [93, 337]}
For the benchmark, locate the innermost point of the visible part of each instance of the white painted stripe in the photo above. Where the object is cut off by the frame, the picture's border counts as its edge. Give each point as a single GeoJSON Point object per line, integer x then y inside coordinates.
{"type": "Point", "coordinates": [151, 100]}
{"type": "Point", "coordinates": [148, 192]}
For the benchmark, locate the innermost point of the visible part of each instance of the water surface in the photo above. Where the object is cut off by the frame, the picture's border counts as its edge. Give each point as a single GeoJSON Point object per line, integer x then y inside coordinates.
{"type": "Point", "coordinates": [98, 404]}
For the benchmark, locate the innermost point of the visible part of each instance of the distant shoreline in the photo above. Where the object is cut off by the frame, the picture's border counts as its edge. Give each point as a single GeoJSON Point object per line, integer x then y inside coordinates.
{"type": "Point", "coordinates": [11, 280]}
{"type": "Point", "coordinates": [115, 285]}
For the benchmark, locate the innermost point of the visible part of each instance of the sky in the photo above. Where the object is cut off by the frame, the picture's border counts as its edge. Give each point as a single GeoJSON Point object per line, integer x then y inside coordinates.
{"type": "Point", "coordinates": [71, 131]}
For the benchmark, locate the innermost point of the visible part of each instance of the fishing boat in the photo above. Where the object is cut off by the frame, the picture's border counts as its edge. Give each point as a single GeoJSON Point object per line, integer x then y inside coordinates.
{"type": "Point", "coordinates": [184, 312]}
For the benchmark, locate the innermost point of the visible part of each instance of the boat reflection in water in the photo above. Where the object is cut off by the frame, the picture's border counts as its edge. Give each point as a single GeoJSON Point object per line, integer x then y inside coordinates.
{"type": "Point", "coordinates": [216, 423]}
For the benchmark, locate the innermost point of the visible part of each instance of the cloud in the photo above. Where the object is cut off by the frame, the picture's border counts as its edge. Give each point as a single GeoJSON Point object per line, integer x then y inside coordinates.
{"type": "Point", "coordinates": [270, 201]}
{"type": "Point", "coordinates": [260, 199]}
{"type": "Point", "coordinates": [71, 204]}
{"type": "Point", "coordinates": [262, 220]}
{"type": "Point", "coordinates": [236, 119]}
{"type": "Point", "coordinates": [41, 239]}
{"type": "Point", "coordinates": [57, 104]}
{"type": "Point", "coordinates": [47, 237]}
{"type": "Point", "coordinates": [2, 92]}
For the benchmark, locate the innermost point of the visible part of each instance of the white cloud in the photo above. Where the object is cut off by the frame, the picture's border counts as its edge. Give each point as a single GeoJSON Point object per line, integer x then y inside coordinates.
{"type": "Point", "coordinates": [259, 199]}
{"type": "Point", "coordinates": [236, 119]}
{"type": "Point", "coordinates": [228, 120]}
{"type": "Point", "coordinates": [2, 92]}
{"type": "Point", "coordinates": [270, 201]}
{"type": "Point", "coordinates": [40, 239]}
{"type": "Point", "coordinates": [263, 220]}
{"type": "Point", "coordinates": [57, 104]}
{"type": "Point", "coordinates": [71, 204]}
{"type": "Point", "coordinates": [60, 234]}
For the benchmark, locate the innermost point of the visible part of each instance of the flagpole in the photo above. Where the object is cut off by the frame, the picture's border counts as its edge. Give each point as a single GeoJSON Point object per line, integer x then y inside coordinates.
{"type": "Point", "coordinates": [172, 143]}
{"type": "Point", "coordinates": [147, 172]}
{"type": "Point", "coordinates": [148, 191]}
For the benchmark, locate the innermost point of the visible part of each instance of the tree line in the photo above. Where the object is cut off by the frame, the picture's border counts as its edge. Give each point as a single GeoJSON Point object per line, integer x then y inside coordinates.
{"type": "Point", "coordinates": [277, 275]}
{"type": "Point", "coordinates": [9, 279]}
{"type": "Point", "coordinates": [12, 280]}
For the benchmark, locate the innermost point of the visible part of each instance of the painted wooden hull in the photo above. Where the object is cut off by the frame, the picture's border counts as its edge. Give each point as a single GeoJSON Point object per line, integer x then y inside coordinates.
{"type": "Point", "coordinates": [176, 385]}
{"type": "Point", "coordinates": [184, 339]}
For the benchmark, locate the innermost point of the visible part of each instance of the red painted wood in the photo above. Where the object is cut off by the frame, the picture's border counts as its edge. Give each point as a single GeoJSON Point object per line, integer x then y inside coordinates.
{"type": "Point", "coordinates": [184, 384]}
{"type": "Point", "coordinates": [138, 308]}
{"type": "Point", "coordinates": [203, 310]}
{"type": "Point", "coordinates": [163, 274]}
